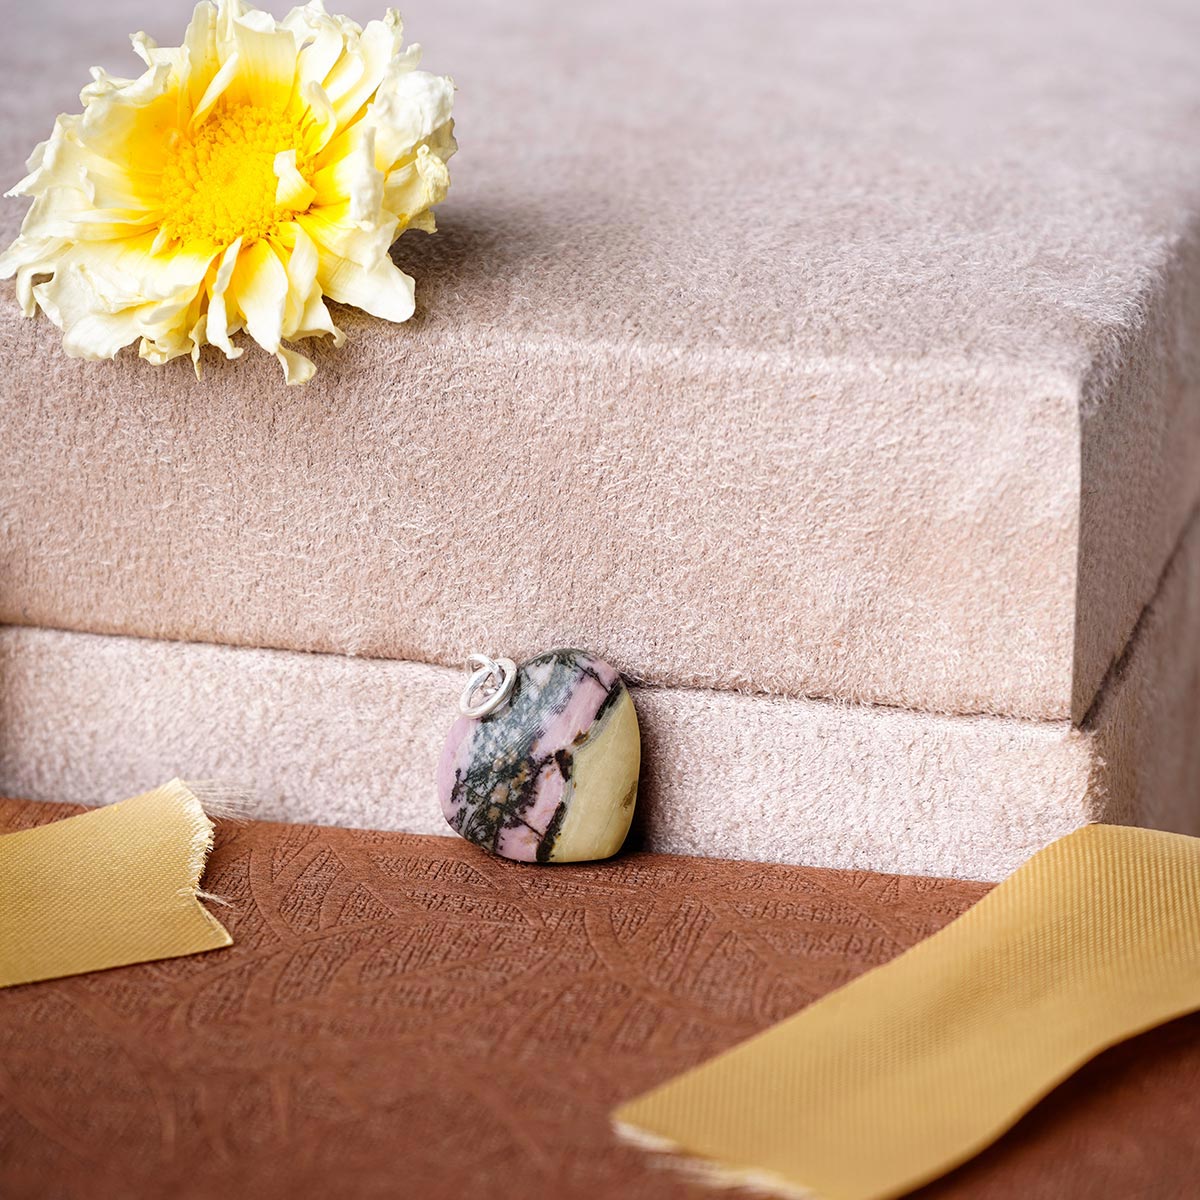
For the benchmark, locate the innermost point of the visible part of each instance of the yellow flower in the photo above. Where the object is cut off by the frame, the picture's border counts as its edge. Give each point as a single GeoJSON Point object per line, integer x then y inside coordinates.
{"type": "Point", "coordinates": [239, 181]}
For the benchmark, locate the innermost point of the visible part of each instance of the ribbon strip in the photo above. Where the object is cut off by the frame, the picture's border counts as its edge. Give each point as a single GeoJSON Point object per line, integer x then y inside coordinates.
{"type": "Point", "coordinates": [918, 1065]}
{"type": "Point", "coordinates": [112, 886]}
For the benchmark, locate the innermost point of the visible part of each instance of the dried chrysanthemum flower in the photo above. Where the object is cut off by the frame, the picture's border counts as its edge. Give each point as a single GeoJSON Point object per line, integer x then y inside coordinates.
{"type": "Point", "coordinates": [241, 180]}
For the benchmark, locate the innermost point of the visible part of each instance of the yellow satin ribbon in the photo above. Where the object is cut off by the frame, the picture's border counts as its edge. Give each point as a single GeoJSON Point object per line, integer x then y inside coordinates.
{"type": "Point", "coordinates": [915, 1067]}
{"type": "Point", "coordinates": [112, 886]}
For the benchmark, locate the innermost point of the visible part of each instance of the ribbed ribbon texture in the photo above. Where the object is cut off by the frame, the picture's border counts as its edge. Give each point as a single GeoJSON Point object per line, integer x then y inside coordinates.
{"type": "Point", "coordinates": [112, 886]}
{"type": "Point", "coordinates": [915, 1067]}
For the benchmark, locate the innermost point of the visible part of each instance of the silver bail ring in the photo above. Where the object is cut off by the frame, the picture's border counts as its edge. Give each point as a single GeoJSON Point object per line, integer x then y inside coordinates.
{"type": "Point", "coordinates": [495, 677]}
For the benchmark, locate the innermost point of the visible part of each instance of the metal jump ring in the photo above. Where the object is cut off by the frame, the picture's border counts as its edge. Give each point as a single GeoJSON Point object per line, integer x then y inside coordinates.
{"type": "Point", "coordinates": [503, 673]}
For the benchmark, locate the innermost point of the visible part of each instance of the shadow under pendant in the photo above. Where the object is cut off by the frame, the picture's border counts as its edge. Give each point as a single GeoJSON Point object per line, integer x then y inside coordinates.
{"type": "Point", "coordinates": [545, 769]}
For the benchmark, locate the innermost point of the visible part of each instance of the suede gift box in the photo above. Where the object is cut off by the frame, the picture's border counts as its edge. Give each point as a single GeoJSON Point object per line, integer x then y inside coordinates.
{"type": "Point", "coordinates": [834, 371]}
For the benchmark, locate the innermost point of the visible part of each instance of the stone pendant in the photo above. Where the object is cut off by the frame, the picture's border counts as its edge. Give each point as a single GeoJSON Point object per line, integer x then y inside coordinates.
{"type": "Point", "coordinates": [545, 768]}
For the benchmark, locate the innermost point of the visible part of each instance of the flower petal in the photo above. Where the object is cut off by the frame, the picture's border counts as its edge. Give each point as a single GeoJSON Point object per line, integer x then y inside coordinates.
{"type": "Point", "coordinates": [334, 230]}
{"type": "Point", "coordinates": [200, 42]}
{"type": "Point", "coordinates": [416, 187]}
{"type": "Point", "coordinates": [321, 117]}
{"type": "Point", "coordinates": [218, 85]}
{"type": "Point", "coordinates": [352, 177]}
{"type": "Point", "coordinates": [296, 368]}
{"type": "Point", "coordinates": [383, 290]}
{"type": "Point", "coordinates": [408, 108]}
{"type": "Point", "coordinates": [293, 190]}
{"type": "Point", "coordinates": [106, 295]}
{"type": "Point", "coordinates": [301, 267]}
{"type": "Point", "coordinates": [89, 330]}
{"type": "Point", "coordinates": [259, 287]}
{"type": "Point", "coordinates": [352, 82]}
{"type": "Point", "coordinates": [323, 41]}
{"type": "Point", "coordinates": [267, 64]}
{"type": "Point", "coordinates": [217, 326]}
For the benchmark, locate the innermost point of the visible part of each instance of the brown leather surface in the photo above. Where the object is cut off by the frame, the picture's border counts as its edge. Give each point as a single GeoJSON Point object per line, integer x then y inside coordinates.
{"type": "Point", "coordinates": [406, 1017]}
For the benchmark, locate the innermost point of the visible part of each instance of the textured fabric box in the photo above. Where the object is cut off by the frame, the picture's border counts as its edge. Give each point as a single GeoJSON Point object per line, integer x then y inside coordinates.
{"type": "Point", "coordinates": [833, 370]}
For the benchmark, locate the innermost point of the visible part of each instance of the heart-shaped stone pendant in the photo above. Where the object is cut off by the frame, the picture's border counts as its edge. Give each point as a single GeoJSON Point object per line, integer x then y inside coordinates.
{"type": "Point", "coordinates": [545, 767]}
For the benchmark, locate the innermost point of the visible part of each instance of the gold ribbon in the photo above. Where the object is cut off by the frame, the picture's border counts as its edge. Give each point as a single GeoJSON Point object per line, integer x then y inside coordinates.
{"type": "Point", "coordinates": [111, 886]}
{"type": "Point", "coordinates": [915, 1067]}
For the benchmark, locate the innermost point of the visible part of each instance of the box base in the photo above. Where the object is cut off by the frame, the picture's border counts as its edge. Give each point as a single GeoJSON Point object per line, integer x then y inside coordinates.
{"type": "Point", "coordinates": [351, 741]}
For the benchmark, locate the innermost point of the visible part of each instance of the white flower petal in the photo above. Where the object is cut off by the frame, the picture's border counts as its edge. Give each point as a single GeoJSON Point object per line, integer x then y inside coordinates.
{"type": "Point", "coordinates": [353, 177]}
{"type": "Point", "coordinates": [296, 368]}
{"type": "Point", "coordinates": [259, 287]}
{"type": "Point", "coordinates": [292, 190]}
{"type": "Point", "coordinates": [301, 269]}
{"type": "Point", "coordinates": [200, 44]}
{"type": "Point", "coordinates": [92, 327]}
{"type": "Point", "coordinates": [29, 261]}
{"type": "Point", "coordinates": [217, 87]}
{"type": "Point", "coordinates": [320, 113]}
{"type": "Point", "coordinates": [337, 233]}
{"type": "Point", "coordinates": [171, 330]}
{"type": "Point", "coordinates": [417, 187]}
{"type": "Point", "coordinates": [102, 225]}
{"type": "Point", "coordinates": [267, 62]}
{"type": "Point", "coordinates": [407, 110]}
{"type": "Point", "coordinates": [351, 84]}
{"type": "Point", "coordinates": [324, 46]}
{"type": "Point", "coordinates": [383, 290]}
{"type": "Point", "coordinates": [217, 328]}
{"type": "Point", "coordinates": [153, 55]}
{"type": "Point", "coordinates": [317, 322]}
{"type": "Point", "coordinates": [111, 116]}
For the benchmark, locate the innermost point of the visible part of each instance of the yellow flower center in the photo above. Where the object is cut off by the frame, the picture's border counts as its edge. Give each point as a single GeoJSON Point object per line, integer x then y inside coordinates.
{"type": "Point", "coordinates": [219, 182]}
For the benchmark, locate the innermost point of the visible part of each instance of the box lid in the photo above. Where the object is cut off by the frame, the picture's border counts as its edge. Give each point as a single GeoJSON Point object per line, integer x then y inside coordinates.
{"type": "Point", "coordinates": [845, 351]}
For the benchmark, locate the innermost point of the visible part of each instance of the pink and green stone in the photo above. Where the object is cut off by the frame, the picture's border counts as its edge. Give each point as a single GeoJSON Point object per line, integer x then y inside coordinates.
{"type": "Point", "coordinates": [552, 775]}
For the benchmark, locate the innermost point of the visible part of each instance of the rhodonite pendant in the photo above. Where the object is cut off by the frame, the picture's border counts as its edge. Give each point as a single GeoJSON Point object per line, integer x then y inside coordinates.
{"type": "Point", "coordinates": [544, 767]}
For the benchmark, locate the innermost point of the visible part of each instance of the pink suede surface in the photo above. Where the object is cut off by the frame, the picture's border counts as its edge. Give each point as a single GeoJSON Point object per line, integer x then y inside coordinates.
{"type": "Point", "coordinates": [355, 742]}
{"type": "Point", "coordinates": [797, 348]}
